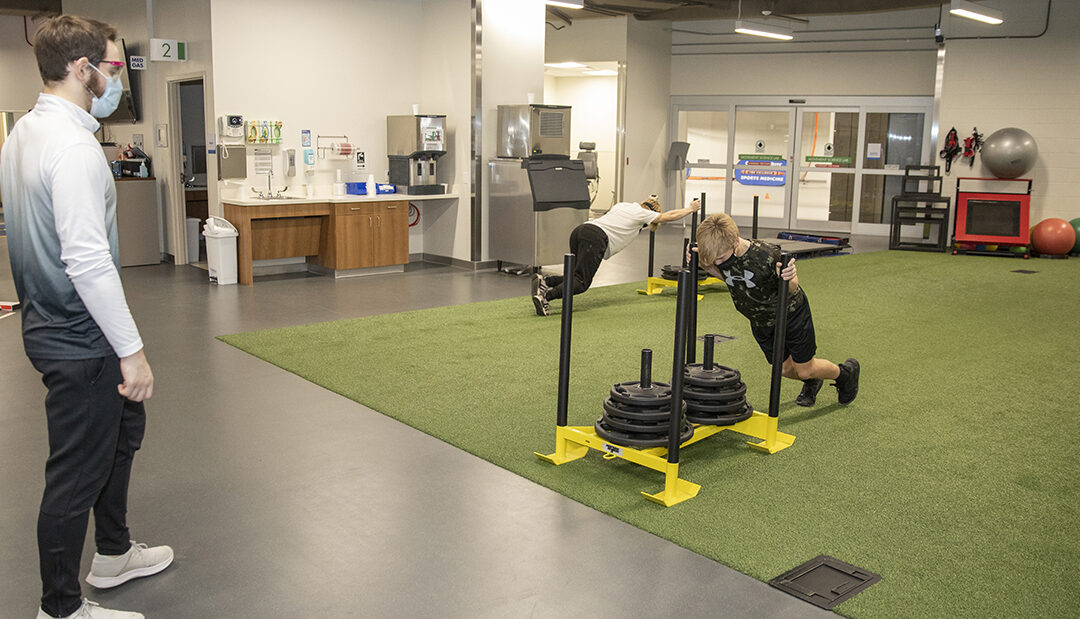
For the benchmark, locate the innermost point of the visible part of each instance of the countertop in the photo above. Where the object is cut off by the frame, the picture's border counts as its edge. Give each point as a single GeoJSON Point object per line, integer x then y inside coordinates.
{"type": "Point", "coordinates": [346, 199]}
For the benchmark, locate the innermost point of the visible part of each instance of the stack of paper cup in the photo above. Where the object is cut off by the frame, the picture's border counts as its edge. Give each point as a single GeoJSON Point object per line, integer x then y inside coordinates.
{"type": "Point", "coordinates": [339, 186]}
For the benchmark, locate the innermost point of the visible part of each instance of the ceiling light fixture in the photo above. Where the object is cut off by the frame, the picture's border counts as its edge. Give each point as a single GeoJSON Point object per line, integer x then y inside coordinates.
{"type": "Point", "coordinates": [970, 10]}
{"type": "Point", "coordinates": [763, 30]}
{"type": "Point", "coordinates": [565, 65]}
{"type": "Point", "coordinates": [567, 4]}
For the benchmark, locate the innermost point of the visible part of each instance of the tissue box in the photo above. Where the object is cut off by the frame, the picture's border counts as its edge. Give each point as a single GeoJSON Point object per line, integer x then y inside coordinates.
{"type": "Point", "coordinates": [380, 188]}
{"type": "Point", "coordinates": [356, 189]}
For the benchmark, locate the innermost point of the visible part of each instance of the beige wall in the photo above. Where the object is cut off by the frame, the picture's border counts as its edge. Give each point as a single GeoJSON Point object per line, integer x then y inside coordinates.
{"type": "Point", "coordinates": [321, 69]}
{"type": "Point", "coordinates": [593, 119]}
{"type": "Point", "coordinates": [20, 82]}
{"type": "Point", "coordinates": [513, 67]}
{"type": "Point", "coordinates": [446, 88]}
{"type": "Point", "coordinates": [587, 40]}
{"type": "Point", "coordinates": [648, 75]}
{"type": "Point", "coordinates": [1030, 83]}
{"type": "Point", "coordinates": [865, 73]}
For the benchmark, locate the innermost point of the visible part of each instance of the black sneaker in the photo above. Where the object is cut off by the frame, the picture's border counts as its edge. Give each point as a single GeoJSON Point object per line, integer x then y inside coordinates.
{"type": "Point", "coordinates": [540, 285]}
{"type": "Point", "coordinates": [540, 302]}
{"type": "Point", "coordinates": [847, 384]}
{"type": "Point", "coordinates": [809, 392]}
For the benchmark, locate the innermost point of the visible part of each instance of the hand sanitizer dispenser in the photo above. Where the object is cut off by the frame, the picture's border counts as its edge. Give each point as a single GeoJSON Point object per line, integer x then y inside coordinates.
{"type": "Point", "coordinates": [309, 162]}
{"type": "Point", "coordinates": [289, 161]}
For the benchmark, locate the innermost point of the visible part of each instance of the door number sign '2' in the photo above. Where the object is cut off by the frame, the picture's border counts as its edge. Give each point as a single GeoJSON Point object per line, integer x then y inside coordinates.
{"type": "Point", "coordinates": [168, 50]}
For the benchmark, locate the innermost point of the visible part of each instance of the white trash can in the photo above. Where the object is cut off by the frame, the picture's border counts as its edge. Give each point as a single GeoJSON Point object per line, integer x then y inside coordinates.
{"type": "Point", "coordinates": [192, 239]}
{"type": "Point", "coordinates": [221, 250]}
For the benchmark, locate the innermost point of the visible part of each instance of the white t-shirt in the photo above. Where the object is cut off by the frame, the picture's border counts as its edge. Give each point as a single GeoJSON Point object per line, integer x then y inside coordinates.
{"type": "Point", "coordinates": [622, 223]}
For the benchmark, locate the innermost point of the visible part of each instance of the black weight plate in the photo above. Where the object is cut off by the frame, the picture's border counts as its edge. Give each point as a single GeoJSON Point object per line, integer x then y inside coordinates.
{"type": "Point", "coordinates": [632, 426]}
{"type": "Point", "coordinates": [671, 271]}
{"type": "Point", "coordinates": [627, 439]}
{"type": "Point", "coordinates": [659, 394]}
{"type": "Point", "coordinates": [636, 414]}
{"type": "Point", "coordinates": [631, 414]}
{"type": "Point", "coordinates": [723, 394]}
{"type": "Point", "coordinates": [719, 376]}
{"type": "Point", "coordinates": [721, 420]}
{"type": "Point", "coordinates": [714, 407]}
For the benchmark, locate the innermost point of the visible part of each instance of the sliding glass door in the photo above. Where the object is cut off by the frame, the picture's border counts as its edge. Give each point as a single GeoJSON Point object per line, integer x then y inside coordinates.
{"type": "Point", "coordinates": [826, 164]}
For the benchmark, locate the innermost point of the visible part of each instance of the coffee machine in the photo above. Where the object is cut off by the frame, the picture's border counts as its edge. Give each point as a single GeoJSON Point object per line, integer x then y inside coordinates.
{"type": "Point", "coordinates": [413, 145]}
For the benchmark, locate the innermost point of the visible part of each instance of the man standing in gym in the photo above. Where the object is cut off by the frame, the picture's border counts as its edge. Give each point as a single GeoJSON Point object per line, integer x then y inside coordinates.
{"type": "Point", "coordinates": [60, 207]}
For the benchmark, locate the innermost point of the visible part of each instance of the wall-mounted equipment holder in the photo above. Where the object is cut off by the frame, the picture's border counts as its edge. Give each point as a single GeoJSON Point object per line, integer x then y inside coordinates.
{"type": "Point", "coordinates": [263, 131]}
{"type": "Point", "coordinates": [341, 147]}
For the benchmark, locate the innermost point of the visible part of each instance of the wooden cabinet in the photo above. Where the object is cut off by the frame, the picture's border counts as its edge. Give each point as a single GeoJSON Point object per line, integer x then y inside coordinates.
{"type": "Point", "coordinates": [196, 204]}
{"type": "Point", "coordinates": [370, 234]}
{"type": "Point", "coordinates": [391, 241]}
{"type": "Point", "coordinates": [336, 236]}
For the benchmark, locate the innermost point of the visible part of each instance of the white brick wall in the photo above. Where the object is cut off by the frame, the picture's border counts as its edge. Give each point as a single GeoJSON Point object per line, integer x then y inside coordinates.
{"type": "Point", "coordinates": [1030, 83]}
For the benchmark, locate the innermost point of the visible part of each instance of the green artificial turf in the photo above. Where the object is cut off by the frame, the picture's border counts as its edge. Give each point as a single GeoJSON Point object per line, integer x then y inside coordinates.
{"type": "Point", "coordinates": [954, 474]}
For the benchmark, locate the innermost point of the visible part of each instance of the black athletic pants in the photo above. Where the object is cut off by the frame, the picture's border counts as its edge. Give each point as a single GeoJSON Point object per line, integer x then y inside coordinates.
{"type": "Point", "coordinates": [588, 243]}
{"type": "Point", "coordinates": [93, 435]}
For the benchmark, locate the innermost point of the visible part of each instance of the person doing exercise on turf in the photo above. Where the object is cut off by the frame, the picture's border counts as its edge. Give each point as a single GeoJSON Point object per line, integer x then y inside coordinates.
{"type": "Point", "coordinates": [602, 238]}
{"type": "Point", "coordinates": [751, 270]}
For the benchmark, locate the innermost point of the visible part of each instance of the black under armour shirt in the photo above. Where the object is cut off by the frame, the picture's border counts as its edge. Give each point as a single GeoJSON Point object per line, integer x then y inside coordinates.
{"type": "Point", "coordinates": [755, 285]}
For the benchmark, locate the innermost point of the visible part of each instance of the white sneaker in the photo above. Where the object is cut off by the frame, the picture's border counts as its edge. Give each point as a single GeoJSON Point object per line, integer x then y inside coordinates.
{"type": "Point", "coordinates": [90, 610]}
{"type": "Point", "coordinates": [138, 561]}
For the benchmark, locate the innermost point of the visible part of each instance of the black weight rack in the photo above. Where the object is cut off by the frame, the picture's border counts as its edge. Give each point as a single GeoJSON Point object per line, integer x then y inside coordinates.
{"type": "Point", "coordinates": [920, 205]}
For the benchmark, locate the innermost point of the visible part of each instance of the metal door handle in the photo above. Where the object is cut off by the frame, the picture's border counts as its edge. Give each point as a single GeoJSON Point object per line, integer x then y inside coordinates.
{"type": "Point", "coordinates": [356, 208]}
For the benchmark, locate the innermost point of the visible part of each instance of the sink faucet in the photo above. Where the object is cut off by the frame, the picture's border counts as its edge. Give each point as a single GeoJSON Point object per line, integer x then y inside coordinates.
{"type": "Point", "coordinates": [270, 194]}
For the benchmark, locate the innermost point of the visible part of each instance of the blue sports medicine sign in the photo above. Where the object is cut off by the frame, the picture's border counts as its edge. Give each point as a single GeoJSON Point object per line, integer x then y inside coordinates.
{"type": "Point", "coordinates": [769, 173]}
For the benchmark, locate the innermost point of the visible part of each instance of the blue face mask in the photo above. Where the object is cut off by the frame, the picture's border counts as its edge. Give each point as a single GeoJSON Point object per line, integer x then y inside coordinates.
{"type": "Point", "coordinates": [105, 105]}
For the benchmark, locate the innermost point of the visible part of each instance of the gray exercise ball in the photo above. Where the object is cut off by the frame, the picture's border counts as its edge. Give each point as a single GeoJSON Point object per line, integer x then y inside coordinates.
{"type": "Point", "coordinates": [1009, 152]}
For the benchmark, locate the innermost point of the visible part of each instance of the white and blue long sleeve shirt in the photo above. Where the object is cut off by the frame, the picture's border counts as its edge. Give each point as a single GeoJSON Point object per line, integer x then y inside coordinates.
{"type": "Point", "coordinates": [60, 212]}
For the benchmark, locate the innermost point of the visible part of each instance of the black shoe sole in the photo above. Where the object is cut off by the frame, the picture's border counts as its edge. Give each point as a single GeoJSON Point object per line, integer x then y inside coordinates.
{"type": "Point", "coordinates": [854, 379]}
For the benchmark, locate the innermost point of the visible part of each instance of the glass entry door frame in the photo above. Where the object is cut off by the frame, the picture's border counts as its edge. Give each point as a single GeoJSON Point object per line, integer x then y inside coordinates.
{"type": "Point", "coordinates": [796, 164]}
{"type": "Point", "coordinates": [805, 171]}
{"type": "Point", "coordinates": [928, 152]}
{"type": "Point", "coordinates": [742, 148]}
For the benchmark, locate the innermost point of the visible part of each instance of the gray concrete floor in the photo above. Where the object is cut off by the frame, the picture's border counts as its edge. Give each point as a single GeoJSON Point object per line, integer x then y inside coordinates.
{"type": "Point", "coordinates": [283, 499]}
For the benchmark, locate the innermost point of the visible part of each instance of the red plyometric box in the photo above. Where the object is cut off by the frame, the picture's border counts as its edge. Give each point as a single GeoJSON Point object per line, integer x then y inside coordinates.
{"type": "Point", "coordinates": [1000, 218]}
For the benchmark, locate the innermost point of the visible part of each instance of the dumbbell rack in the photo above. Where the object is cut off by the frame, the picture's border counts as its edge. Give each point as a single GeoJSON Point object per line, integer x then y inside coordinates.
{"type": "Point", "coordinates": [574, 442]}
{"type": "Point", "coordinates": [657, 285]}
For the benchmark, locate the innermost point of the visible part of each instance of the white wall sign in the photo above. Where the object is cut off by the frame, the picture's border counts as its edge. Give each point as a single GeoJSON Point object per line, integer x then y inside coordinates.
{"type": "Point", "coordinates": [137, 63]}
{"type": "Point", "coordinates": [873, 150]}
{"type": "Point", "coordinates": [168, 50]}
